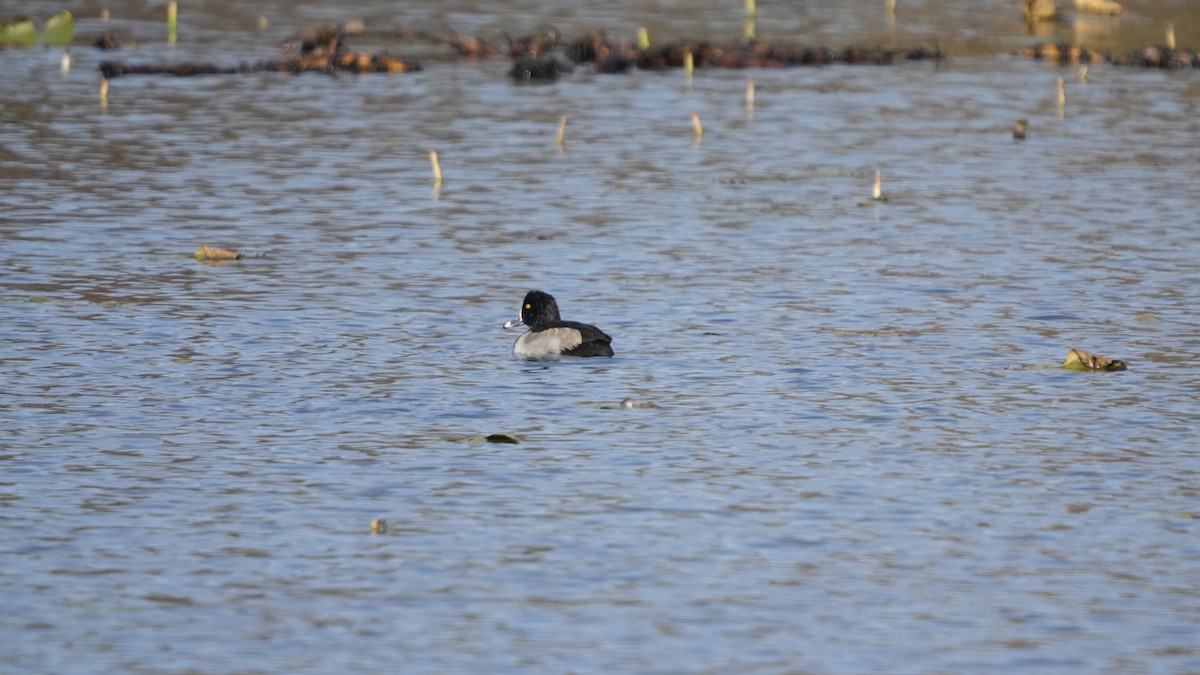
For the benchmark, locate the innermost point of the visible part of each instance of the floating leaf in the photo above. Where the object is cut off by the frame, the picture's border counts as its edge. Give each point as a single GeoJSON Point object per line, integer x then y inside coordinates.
{"type": "Point", "coordinates": [490, 438]}
{"type": "Point", "coordinates": [379, 526]}
{"type": "Point", "coordinates": [630, 403]}
{"type": "Point", "coordinates": [501, 438]}
{"type": "Point", "coordinates": [627, 403]}
{"type": "Point", "coordinates": [18, 32]}
{"type": "Point", "coordinates": [210, 253]}
{"type": "Point", "coordinates": [59, 30]}
{"type": "Point", "coordinates": [1039, 10]}
{"type": "Point", "coordinates": [1079, 360]}
{"type": "Point", "coordinates": [1105, 7]}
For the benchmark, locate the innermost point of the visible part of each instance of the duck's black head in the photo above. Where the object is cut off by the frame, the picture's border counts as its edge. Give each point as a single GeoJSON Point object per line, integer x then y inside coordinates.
{"type": "Point", "coordinates": [539, 310]}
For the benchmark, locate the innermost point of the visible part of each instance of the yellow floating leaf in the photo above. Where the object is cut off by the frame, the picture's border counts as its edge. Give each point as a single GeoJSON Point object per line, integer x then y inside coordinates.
{"type": "Point", "coordinates": [59, 31]}
{"type": "Point", "coordinates": [392, 64]}
{"type": "Point", "coordinates": [379, 526]}
{"type": "Point", "coordinates": [210, 253]}
{"type": "Point", "coordinates": [1106, 7]}
{"type": "Point", "coordinates": [18, 32]}
{"type": "Point", "coordinates": [1039, 10]}
{"type": "Point", "coordinates": [1079, 360]}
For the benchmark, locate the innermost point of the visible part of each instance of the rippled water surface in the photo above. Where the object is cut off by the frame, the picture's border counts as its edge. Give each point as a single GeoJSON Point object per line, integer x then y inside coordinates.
{"type": "Point", "coordinates": [861, 456]}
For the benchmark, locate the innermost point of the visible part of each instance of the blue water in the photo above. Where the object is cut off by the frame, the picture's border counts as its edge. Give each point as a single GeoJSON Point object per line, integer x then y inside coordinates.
{"type": "Point", "coordinates": [862, 456]}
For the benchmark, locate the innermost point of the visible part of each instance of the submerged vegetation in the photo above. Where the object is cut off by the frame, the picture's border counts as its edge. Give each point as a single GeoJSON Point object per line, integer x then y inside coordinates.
{"type": "Point", "coordinates": [546, 55]}
{"type": "Point", "coordinates": [1160, 56]}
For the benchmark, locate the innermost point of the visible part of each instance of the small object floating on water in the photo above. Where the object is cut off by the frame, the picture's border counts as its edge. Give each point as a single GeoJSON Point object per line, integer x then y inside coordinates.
{"type": "Point", "coordinates": [1063, 53]}
{"type": "Point", "coordinates": [1146, 57]}
{"type": "Point", "coordinates": [18, 31]}
{"type": "Point", "coordinates": [1103, 7]}
{"type": "Point", "coordinates": [502, 438]}
{"type": "Point", "coordinates": [480, 439]}
{"type": "Point", "coordinates": [59, 30]}
{"type": "Point", "coordinates": [877, 196]}
{"type": "Point", "coordinates": [106, 42]}
{"type": "Point", "coordinates": [1082, 361]}
{"type": "Point", "coordinates": [1038, 10]}
{"type": "Point", "coordinates": [1021, 129]}
{"type": "Point", "coordinates": [696, 124]}
{"type": "Point", "coordinates": [325, 61]}
{"type": "Point", "coordinates": [630, 403]}
{"type": "Point", "coordinates": [539, 66]}
{"type": "Point", "coordinates": [627, 403]}
{"type": "Point", "coordinates": [210, 253]}
{"type": "Point", "coordinates": [379, 526]}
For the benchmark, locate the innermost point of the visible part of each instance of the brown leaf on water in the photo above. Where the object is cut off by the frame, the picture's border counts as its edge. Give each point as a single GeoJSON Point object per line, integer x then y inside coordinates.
{"type": "Point", "coordinates": [1039, 10]}
{"type": "Point", "coordinates": [501, 438]}
{"type": "Point", "coordinates": [1105, 7]}
{"type": "Point", "coordinates": [392, 64]}
{"type": "Point", "coordinates": [210, 253]}
{"type": "Point", "coordinates": [1077, 359]}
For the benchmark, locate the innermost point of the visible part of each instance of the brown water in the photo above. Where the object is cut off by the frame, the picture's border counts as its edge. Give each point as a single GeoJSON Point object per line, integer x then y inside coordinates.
{"type": "Point", "coordinates": [863, 456]}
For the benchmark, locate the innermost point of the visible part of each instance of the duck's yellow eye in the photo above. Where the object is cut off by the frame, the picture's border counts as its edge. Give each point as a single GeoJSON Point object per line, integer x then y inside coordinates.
{"type": "Point", "coordinates": [528, 306]}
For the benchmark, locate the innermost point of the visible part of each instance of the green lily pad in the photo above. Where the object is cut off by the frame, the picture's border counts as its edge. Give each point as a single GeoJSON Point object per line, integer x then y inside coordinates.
{"type": "Point", "coordinates": [59, 30]}
{"type": "Point", "coordinates": [18, 32]}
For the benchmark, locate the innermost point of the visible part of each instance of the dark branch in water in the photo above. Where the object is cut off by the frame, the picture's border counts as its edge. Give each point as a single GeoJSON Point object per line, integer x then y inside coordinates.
{"type": "Point", "coordinates": [545, 56]}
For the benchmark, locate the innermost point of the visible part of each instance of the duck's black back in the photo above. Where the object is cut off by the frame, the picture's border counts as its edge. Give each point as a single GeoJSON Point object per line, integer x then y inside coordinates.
{"type": "Point", "coordinates": [594, 342]}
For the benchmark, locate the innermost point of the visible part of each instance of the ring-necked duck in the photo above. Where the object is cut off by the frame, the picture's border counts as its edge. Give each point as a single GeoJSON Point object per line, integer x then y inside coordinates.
{"type": "Point", "coordinates": [549, 335]}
